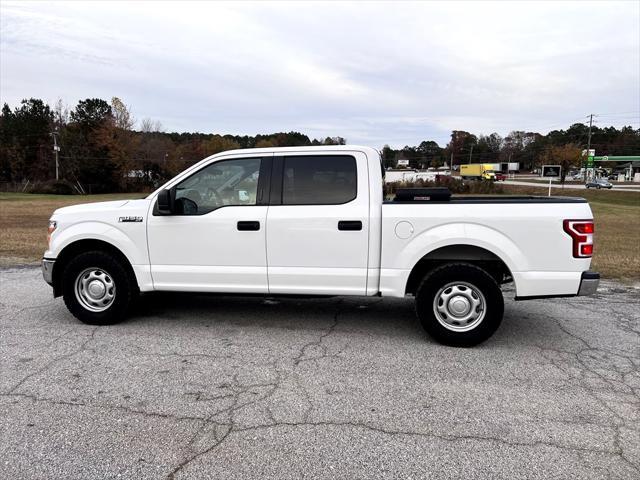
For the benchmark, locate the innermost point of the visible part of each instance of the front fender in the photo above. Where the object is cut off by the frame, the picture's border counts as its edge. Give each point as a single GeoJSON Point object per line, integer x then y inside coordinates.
{"type": "Point", "coordinates": [94, 230]}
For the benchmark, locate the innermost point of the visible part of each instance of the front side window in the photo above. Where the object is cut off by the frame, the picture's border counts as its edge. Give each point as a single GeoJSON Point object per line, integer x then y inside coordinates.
{"type": "Point", "coordinates": [319, 180]}
{"type": "Point", "coordinates": [224, 183]}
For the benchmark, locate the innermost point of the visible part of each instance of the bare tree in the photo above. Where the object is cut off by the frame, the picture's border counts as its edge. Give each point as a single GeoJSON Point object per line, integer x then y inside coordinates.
{"type": "Point", "coordinates": [60, 114]}
{"type": "Point", "coordinates": [121, 114]}
{"type": "Point", "coordinates": [148, 125]}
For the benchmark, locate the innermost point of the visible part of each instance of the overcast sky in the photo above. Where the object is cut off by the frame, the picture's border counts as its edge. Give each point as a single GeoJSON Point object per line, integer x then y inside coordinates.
{"type": "Point", "coordinates": [375, 73]}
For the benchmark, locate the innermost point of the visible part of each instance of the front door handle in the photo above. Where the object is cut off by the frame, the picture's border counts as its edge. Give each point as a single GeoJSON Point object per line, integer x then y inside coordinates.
{"type": "Point", "coordinates": [248, 226]}
{"type": "Point", "coordinates": [350, 225]}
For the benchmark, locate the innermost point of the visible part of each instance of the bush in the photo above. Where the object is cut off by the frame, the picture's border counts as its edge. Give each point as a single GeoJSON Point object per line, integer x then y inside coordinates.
{"type": "Point", "coordinates": [53, 187]}
{"type": "Point", "coordinates": [485, 187]}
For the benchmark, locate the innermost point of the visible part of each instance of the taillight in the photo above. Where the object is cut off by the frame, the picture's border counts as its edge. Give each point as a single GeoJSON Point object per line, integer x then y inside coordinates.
{"type": "Point", "coordinates": [581, 232]}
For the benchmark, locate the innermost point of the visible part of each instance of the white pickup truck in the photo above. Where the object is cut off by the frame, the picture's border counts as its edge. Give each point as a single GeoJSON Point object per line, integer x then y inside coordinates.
{"type": "Point", "coordinates": [313, 221]}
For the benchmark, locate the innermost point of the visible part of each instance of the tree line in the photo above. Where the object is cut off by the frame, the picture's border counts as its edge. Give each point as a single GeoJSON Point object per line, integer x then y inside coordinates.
{"type": "Point", "coordinates": [529, 149]}
{"type": "Point", "coordinates": [100, 150]}
{"type": "Point", "coordinates": [103, 149]}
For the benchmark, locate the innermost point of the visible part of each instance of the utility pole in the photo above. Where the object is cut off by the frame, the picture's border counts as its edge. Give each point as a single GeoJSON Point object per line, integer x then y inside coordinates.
{"type": "Point", "coordinates": [588, 144]}
{"type": "Point", "coordinates": [56, 149]}
{"type": "Point", "coordinates": [470, 153]}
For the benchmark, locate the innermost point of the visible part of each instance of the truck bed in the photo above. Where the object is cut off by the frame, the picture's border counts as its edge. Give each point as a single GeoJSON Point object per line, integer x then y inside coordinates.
{"type": "Point", "coordinates": [525, 232]}
{"type": "Point", "coordinates": [502, 199]}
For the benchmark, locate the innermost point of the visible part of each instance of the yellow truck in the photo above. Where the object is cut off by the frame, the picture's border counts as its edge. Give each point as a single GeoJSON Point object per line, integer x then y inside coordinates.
{"type": "Point", "coordinates": [478, 171]}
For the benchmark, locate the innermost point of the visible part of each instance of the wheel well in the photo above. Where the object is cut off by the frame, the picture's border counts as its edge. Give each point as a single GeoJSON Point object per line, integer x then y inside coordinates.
{"type": "Point", "coordinates": [478, 256]}
{"type": "Point", "coordinates": [81, 246]}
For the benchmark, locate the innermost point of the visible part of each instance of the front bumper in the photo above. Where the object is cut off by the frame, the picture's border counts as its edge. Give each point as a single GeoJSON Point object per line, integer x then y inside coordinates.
{"type": "Point", "coordinates": [589, 283]}
{"type": "Point", "coordinates": [47, 270]}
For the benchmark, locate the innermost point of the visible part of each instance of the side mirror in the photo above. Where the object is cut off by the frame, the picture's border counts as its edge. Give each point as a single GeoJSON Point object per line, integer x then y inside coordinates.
{"type": "Point", "coordinates": [165, 202]}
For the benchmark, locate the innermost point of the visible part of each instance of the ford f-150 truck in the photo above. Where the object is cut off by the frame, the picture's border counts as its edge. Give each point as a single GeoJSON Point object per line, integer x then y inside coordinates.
{"type": "Point", "coordinates": [313, 221]}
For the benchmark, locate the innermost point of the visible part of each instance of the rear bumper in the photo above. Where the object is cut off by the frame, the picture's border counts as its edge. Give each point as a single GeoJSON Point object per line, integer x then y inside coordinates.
{"type": "Point", "coordinates": [47, 270]}
{"type": "Point", "coordinates": [589, 283]}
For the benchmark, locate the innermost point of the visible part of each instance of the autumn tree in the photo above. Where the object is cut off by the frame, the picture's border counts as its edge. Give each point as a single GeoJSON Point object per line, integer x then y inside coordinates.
{"type": "Point", "coordinates": [567, 156]}
{"type": "Point", "coordinates": [217, 144]}
{"type": "Point", "coordinates": [460, 146]}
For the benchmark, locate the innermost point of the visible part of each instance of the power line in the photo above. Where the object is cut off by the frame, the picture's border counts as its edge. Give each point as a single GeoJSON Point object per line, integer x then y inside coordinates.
{"type": "Point", "coordinates": [636, 112]}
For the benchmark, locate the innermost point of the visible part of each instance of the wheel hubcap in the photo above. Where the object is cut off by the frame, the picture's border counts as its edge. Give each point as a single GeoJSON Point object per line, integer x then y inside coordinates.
{"type": "Point", "coordinates": [459, 306]}
{"type": "Point", "coordinates": [95, 289]}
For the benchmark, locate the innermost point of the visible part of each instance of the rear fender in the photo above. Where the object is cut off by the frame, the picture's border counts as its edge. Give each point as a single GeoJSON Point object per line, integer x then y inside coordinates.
{"type": "Point", "coordinates": [463, 234]}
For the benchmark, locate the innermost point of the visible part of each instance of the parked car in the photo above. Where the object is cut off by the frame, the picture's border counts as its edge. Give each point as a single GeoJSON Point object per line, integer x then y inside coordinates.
{"type": "Point", "coordinates": [500, 177]}
{"type": "Point", "coordinates": [312, 221]}
{"type": "Point", "coordinates": [599, 183]}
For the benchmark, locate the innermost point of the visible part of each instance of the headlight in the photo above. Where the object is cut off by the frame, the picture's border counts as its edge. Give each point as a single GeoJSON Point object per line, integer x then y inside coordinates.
{"type": "Point", "coordinates": [52, 228]}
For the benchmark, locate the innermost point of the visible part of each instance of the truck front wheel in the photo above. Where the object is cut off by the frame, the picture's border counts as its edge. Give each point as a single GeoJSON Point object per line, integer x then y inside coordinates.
{"type": "Point", "coordinates": [459, 304]}
{"type": "Point", "coordinates": [97, 288]}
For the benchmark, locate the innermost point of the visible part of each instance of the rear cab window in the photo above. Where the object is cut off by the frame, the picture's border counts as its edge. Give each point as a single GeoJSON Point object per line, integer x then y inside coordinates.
{"type": "Point", "coordinates": [319, 180]}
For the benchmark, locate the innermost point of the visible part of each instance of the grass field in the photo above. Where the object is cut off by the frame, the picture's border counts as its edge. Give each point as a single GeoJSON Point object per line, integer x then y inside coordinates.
{"type": "Point", "coordinates": [23, 225]}
{"type": "Point", "coordinates": [24, 218]}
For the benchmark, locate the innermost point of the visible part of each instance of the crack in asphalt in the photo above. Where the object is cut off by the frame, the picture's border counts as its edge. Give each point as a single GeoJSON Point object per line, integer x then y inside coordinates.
{"type": "Point", "coordinates": [447, 438]}
{"type": "Point", "coordinates": [301, 357]}
{"type": "Point", "coordinates": [583, 368]}
{"type": "Point", "coordinates": [240, 389]}
{"type": "Point", "coordinates": [70, 403]}
{"type": "Point", "coordinates": [49, 364]}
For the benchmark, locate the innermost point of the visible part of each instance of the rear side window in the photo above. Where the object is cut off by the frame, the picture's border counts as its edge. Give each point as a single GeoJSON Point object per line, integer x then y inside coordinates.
{"type": "Point", "coordinates": [319, 180]}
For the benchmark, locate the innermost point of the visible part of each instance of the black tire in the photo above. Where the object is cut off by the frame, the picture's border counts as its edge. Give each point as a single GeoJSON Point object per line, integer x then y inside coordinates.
{"type": "Point", "coordinates": [597, 187]}
{"type": "Point", "coordinates": [124, 288]}
{"type": "Point", "coordinates": [492, 305]}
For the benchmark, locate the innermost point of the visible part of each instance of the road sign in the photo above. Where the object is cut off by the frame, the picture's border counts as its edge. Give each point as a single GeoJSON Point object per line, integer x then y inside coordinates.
{"type": "Point", "coordinates": [551, 171]}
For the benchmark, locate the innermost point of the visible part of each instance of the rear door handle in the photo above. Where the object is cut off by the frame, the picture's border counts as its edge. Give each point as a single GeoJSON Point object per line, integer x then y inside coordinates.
{"type": "Point", "coordinates": [350, 225]}
{"type": "Point", "coordinates": [248, 226]}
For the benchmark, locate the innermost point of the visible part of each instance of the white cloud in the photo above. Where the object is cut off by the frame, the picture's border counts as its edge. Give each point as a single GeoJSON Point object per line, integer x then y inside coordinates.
{"type": "Point", "coordinates": [375, 73]}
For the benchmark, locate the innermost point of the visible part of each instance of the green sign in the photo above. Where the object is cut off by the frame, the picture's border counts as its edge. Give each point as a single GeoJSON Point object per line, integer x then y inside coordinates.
{"type": "Point", "coordinates": [590, 161]}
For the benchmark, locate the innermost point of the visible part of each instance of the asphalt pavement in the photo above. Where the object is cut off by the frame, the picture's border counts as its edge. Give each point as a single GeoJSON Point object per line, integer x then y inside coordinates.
{"type": "Point", "coordinates": [231, 387]}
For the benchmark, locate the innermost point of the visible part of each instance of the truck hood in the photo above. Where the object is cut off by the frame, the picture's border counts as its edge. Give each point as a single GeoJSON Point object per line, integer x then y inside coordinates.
{"type": "Point", "coordinates": [91, 207]}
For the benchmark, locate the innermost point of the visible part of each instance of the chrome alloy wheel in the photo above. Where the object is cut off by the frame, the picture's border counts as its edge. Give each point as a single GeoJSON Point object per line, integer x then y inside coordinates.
{"type": "Point", "coordinates": [459, 306]}
{"type": "Point", "coordinates": [95, 289]}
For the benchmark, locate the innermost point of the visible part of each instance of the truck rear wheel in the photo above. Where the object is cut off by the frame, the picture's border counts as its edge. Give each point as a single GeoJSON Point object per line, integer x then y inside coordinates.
{"type": "Point", "coordinates": [459, 304]}
{"type": "Point", "coordinates": [97, 288]}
